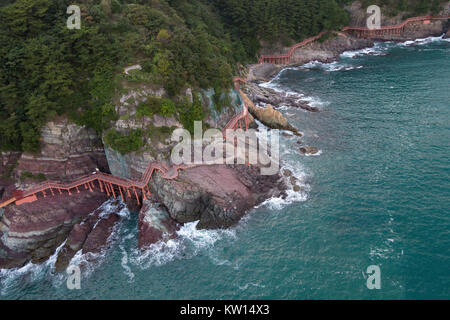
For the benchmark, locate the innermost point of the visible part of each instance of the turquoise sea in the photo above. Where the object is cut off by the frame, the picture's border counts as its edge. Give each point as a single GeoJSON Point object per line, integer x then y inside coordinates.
{"type": "Point", "coordinates": [377, 194]}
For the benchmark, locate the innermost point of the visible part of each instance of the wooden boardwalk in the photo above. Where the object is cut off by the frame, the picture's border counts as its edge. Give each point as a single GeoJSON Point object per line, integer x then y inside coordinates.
{"type": "Point", "coordinates": [360, 32]}
{"type": "Point", "coordinates": [112, 185]}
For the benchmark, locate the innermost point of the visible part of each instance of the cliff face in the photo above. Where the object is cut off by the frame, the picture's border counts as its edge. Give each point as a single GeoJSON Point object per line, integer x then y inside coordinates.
{"type": "Point", "coordinates": [68, 152]}
{"type": "Point", "coordinates": [217, 195]}
{"type": "Point", "coordinates": [32, 232]}
{"type": "Point", "coordinates": [158, 129]}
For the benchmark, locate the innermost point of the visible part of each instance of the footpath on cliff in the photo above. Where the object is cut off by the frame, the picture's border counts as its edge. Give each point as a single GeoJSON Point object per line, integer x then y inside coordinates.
{"type": "Point", "coordinates": [217, 196]}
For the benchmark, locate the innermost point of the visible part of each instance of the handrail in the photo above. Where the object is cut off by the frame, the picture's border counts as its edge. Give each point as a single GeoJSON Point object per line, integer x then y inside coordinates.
{"type": "Point", "coordinates": [287, 56]}
{"type": "Point", "coordinates": [125, 183]}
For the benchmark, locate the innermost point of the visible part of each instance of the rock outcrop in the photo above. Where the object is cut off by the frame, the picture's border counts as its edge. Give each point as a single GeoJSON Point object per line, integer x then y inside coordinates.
{"type": "Point", "coordinates": [217, 195]}
{"type": "Point", "coordinates": [90, 235]}
{"type": "Point", "coordinates": [155, 224]}
{"type": "Point", "coordinates": [269, 116]}
{"type": "Point", "coordinates": [260, 95]}
{"type": "Point", "coordinates": [97, 240]}
{"type": "Point", "coordinates": [309, 150]}
{"type": "Point", "coordinates": [68, 151]}
{"type": "Point", "coordinates": [32, 232]}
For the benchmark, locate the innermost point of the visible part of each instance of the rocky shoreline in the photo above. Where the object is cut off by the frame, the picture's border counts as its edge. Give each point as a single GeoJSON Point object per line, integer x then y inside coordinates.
{"type": "Point", "coordinates": [326, 52]}
{"type": "Point", "coordinates": [217, 196]}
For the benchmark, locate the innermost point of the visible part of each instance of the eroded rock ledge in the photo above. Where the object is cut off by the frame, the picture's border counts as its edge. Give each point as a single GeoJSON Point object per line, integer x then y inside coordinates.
{"type": "Point", "coordinates": [33, 231]}
{"type": "Point", "coordinates": [217, 196]}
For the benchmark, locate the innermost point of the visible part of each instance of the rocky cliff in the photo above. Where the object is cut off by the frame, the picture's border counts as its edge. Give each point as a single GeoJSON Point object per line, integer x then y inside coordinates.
{"type": "Point", "coordinates": [68, 151]}
{"type": "Point", "coordinates": [32, 232]}
{"type": "Point", "coordinates": [329, 49]}
{"type": "Point", "coordinates": [217, 195]}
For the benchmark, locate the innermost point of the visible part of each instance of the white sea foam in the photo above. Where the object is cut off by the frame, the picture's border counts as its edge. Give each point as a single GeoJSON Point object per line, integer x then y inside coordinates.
{"type": "Point", "coordinates": [89, 262]}
{"type": "Point", "coordinates": [330, 67]}
{"type": "Point", "coordinates": [278, 203]}
{"type": "Point", "coordinates": [379, 49]}
{"type": "Point", "coordinates": [189, 243]}
{"type": "Point", "coordinates": [31, 272]}
{"type": "Point", "coordinates": [247, 285]}
{"type": "Point", "coordinates": [311, 100]}
{"type": "Point", "coordinates": [422, 41]}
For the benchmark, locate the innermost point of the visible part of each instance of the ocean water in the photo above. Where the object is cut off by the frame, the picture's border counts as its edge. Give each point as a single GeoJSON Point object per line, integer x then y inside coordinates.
{"type": "Point", "coordinates": [378, 194]}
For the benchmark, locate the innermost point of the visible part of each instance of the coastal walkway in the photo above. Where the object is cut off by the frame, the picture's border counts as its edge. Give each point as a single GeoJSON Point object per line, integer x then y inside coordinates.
{"type": "Point", "coordinates": [360, 32]}
{"type": "Point", "coordinates": [113, 185]}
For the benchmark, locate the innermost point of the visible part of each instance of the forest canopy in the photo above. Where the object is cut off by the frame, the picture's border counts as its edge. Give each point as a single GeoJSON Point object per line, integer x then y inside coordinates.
{"type": "Point", "coordinates": [48, 70]}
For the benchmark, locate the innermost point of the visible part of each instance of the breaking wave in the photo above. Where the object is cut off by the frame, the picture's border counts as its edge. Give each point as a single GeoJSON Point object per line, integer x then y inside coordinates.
{"type": "Point", "coordinates": [189, 243]}
{"type": "Point", "coordinates": [330, 67]}
{"type": "Point", "coordinates": [379, 49]}
{"type": "Point", "coordinates": [423, 41]}
{"type": "Point", "coordinates": [14, 279]}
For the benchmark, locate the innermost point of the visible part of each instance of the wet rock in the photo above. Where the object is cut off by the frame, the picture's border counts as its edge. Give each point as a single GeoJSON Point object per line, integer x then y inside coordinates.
{"type": "Point", "coordinates": [267, 96]}
{"type": "Point", "coordinates": [75, 241]}
{"type": "Point", "coordinates": [217, 195]}
{"type": "Point", "coordinates": [293, 180]}
{"type": "Point", "coordinates": [287, 172]}
{"type": "Point", "coordinates": [68, 152]}
{"type": "Point", "coordinates": [155, 224]}
{"type": "Point", "coordinates": [80, 233]}
{"type": "Point", "coordinates": [97, 239]}
{"type": "Point", "coordinates": [309, 150]}
{"type": "Point", "coordinates": [269, 116]}
{"type": "Point", "coordinates": [32, 231]}
{"type": "Point", "coordinates": [297, 188]}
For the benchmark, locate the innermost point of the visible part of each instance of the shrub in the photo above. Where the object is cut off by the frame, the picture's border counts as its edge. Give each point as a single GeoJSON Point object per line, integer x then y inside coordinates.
{"type": "Point", "coordinates": [190, 113]}
{"type": "Point", "coordinates": [167, 108]}
{"type": "Point", "coordinates": [125, 143]}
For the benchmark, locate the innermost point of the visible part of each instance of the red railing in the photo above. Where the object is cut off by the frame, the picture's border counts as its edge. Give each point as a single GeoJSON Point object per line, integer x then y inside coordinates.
{"type": "Point", "coordinates": [107, 183]}
{"type": "Point", "coordinates": [286, 58]}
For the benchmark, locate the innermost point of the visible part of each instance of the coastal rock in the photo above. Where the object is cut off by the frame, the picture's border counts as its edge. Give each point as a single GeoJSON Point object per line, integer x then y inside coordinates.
{"type": "Point", "coordinates": [262, 72]}
{"type": "Point", "coordinates": [287, 173]}
{"type": "Point", "coordinates": [68, 151]}
{"type": "Point", "coordinates": [155, 224]}
{"type": "Point", "coordinates": [269, 116]}
{"type": "Point", "coordinates": [73, 244]}
{"type": "Point", "coordinates": [217, 195]}
{"type": "Point", "coordinates": [309, 150]}
{"type": "Point", "coordinates": [87, 229]}
{"type": "Point", "coordinates": [32, 231]}
{"type": "Point", "coordinates": [262, 95]}
{"type": "Point", "coordinates": [97, 239]}
{"type": "Point", "coordinates": [330, 49]}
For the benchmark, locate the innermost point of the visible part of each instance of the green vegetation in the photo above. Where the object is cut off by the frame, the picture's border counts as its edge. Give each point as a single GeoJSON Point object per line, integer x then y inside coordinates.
{"type": "Point", "coordinates": [159, 133]}
{"type": "Point", "coordinates": [37, 177]}
{"type": "Point", "coordinates": [154, 105]}
{"type": "Point", "coordinates": [7, 172]}
{"type": "Point", "coordinates": [412, 8]}
{"type": "Point", "coordinates": [48, 70]}
{"type": "Point", "coordinates": [134, 141]}
{"type": "Point", "coordinates": [190, 113]}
